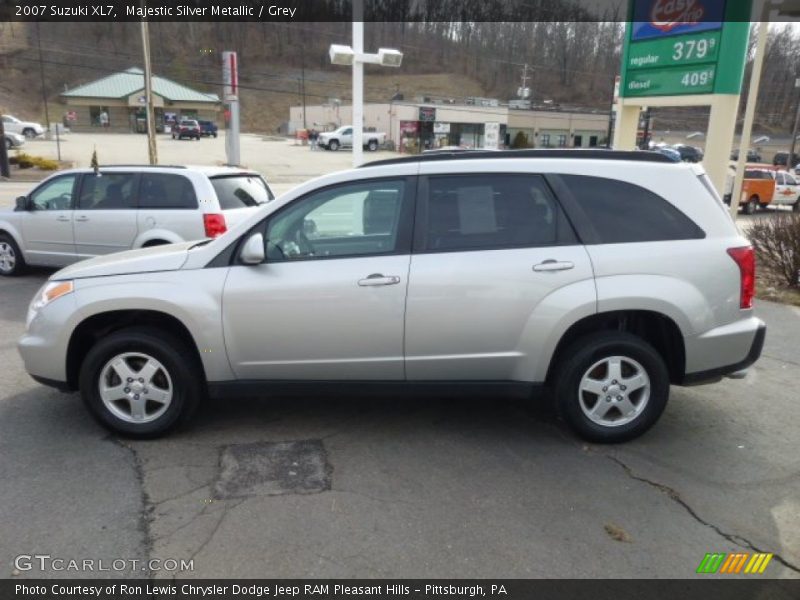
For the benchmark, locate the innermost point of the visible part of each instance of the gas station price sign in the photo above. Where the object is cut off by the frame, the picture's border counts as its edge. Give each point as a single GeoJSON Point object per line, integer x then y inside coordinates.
{"type": "Point", "coordinates": [679, 47]}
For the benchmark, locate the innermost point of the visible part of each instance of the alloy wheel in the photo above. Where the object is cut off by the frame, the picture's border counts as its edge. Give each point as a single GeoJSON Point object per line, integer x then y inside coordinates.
{"type": "Point", "coordinates": [135, 387]}
{"type": "Point", "coordinates": [614, 391]}
{"type": "Point", "coordinates": [8, 258]}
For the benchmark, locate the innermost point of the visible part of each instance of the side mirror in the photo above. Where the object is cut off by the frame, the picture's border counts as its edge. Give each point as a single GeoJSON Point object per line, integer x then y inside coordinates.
{"type": "Point", "coordinates": [253, 250]}
{"type": "Point", "coordinates": [22, 203]}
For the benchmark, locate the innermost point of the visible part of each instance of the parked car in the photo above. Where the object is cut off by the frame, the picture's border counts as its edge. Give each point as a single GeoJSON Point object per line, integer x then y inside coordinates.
{"type": "Point", "coordinates": [343, 138]}
{"type": "Point", "coordinates": [752, 155]}
{"type": "Point", "coordinates": [27, 128]}
{"type": "Point", "coordinates": [779, 160]}
{"type": "Point", "coordinates": [602, 276]}
{"type": "Point", "coordinates": [670, 153]}
{"type": "Point", "coordinates": [187, 128]}
{"type": "Point", "coordinates": [13, 140]}
{"type": "Point", "coordinates": [75, 214]}
{"type": "Point", "coordinates": [208, 128]}
{"type": "Point", "coordinates": [787, 190]}
{"type": "Point", "coordinates": [758, 188]}
{"type": "Point", "coordinates": [689, 153]}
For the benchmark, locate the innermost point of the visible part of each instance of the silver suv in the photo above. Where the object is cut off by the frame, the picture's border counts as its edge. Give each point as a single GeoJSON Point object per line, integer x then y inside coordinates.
{"type": "Point", "coordinates": [603, 276]}
{"type": "Point", "coordinates": [79, 214]}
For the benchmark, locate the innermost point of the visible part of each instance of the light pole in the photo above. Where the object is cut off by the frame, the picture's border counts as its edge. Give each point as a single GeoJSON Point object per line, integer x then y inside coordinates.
{"type": "Point", "coordinates": [355, 56]}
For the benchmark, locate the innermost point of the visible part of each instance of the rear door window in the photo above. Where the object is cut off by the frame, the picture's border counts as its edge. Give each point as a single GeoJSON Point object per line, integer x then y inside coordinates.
{"type": "Point", "coordinates": [240, 191]}
{"type": "Point", "coordinates": [491, 211]}
{"type": "Point", "coordinates": [621, 212]}
{"type": "Point", "coordinates": [166, 191]}
{"type": "Point", "coordinates": [108, 191]}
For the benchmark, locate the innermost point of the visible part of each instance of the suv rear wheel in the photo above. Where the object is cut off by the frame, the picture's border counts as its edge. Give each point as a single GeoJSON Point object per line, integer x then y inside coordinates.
{"type": "Point", "coordinates": [141, 382]}
{"type": "Point", "coordinates": [611, 387]}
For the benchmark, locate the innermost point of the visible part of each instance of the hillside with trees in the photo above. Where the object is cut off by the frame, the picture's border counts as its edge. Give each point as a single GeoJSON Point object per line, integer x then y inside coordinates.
{"type": "Point", "coordinates": [569, 63]}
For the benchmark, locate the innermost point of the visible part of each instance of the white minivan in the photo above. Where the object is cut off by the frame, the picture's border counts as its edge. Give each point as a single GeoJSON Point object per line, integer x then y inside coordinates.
{"type": "Point", "coordinates": [78, 214]}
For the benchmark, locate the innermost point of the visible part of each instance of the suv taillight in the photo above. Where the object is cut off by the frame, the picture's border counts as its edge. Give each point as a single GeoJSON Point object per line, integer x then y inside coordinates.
{"type": "Point", "coordinates": [745, 258]}
{"type": "Point", "coordinates": [214, 224]}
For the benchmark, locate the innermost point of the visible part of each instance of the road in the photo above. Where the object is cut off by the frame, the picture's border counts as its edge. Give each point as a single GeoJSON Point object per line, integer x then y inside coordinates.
{"type": "Point", "coordinates": [339, 487]}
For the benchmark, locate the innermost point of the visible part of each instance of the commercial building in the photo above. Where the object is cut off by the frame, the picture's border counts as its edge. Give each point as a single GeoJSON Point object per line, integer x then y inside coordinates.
{"type": "Point", "coordinates": [413, 126]}
{"type": "Point", "coordinates": [121, 97]}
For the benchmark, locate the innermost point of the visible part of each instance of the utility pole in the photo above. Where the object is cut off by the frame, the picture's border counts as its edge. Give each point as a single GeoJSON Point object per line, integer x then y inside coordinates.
{"type": "Point", "coordinates": [152, 152]}
{"type": "Point", "coordinates": [4, 168]}
{"type": "Point", "coordinates": [44, 93]}
{"type": "Point", "coordinates": [303, 81]}
{"type": "Point", "coordinates": [358, 83]}
{"type": "Point", "coordinates": [41, 74]}
{"type": "Point", "coordinates": [789, 159]}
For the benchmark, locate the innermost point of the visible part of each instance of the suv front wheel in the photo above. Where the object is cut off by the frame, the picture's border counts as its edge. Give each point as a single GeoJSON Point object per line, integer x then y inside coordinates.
{"type": "Point", "coordinates": [611, 387]}
{"type": "Point", "coordinates": [141, 382]}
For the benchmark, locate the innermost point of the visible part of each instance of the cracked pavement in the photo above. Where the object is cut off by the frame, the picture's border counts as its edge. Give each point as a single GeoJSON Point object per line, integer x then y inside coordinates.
{"type": "Point", "coordinates": [411, 488]}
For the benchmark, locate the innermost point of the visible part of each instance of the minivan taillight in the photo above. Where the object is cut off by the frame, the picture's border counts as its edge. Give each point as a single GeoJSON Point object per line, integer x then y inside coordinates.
{"type": "Point", "coordinates": [745, 258]}
{"type": "Point", "coordinates": [214, 224]}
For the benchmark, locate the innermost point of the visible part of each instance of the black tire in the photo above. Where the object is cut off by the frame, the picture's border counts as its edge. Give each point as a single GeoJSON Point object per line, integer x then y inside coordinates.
{"type": "Point", "coordinates": [152, 243]}
{"type": "Point", "coordinates": [186, 375]}
{"type": "Point", "coordinates": [7, 244]}
{"type": "Point", "coordinates": [333, 145]}
{"type": "Point", "coordinates": [173, 136]}
{"type": "Point", "coordinates": [796, 206]}
{"type": "Point", "coordinates": [586, 352]}
{"type": "Point", "coordinates": [751, 206]}
{"type": "Point", "coordinates": [29, 133]}
{"type": "Point", "coordinates": [372, 146]}
{"type": "Point", "coordinates": [215, 135]}
{"type": "Point", "coordinates": [8, 144]}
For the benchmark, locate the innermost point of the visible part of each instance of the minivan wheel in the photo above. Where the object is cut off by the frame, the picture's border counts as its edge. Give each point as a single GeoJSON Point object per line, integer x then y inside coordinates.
{"type": "Point", "coordinates": [141, 382]}
{"type": "Point", "coordinates": [11, 259]}
{"type": "Point", "coordinates": [611, 387]}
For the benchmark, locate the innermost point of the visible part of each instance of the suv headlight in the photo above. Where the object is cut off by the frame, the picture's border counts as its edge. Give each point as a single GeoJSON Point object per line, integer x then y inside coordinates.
{"type": "Point", "coordinates": [50, 291]}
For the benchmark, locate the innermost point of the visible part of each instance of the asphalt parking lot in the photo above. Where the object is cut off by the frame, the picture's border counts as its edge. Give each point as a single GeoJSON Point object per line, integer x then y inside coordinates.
{"type": "Point", "coordinates": [283, 162]}
{"type": "Point", "coordinates": [338, 487]}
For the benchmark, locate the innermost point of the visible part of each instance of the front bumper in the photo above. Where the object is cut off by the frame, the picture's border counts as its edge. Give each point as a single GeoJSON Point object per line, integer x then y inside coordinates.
{"type": "Point", "coordinates": [734, 370]}
{"type": "Point", "coordinates": [43, 346]}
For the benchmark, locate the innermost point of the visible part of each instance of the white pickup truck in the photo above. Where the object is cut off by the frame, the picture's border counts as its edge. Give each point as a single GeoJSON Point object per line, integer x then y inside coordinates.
{"type": "Point", "coordinates": [343, 138]}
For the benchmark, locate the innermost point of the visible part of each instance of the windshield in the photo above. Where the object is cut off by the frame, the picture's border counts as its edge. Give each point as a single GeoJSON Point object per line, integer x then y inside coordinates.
{"type": "Point", "coordinates": [239, 191]}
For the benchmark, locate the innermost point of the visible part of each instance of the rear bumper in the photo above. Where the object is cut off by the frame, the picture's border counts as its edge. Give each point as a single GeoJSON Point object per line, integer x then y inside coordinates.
{"type": "Point", "coordinates": [734, 369]}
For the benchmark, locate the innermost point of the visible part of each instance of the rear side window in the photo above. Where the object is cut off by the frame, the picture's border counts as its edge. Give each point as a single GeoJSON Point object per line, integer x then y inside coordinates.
{"type": "Point", "coordinates": [109, 191]}
{"type": "Point", "coordinates": [492, 211]}
{"type": "Point", "coordinates": [166, 191]}
{"type": "Point", "coordinates": [622, 212]}
{"type": "Point", "coordinates": [239, 191]}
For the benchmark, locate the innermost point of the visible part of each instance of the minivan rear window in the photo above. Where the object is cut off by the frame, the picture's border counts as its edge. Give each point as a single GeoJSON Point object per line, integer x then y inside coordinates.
{"type": "Point", "coordinates": [240, 191]}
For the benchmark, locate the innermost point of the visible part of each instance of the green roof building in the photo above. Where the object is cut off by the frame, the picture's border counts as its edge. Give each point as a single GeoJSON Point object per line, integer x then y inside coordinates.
{"type": "Point", "coordinates": [116, 103]}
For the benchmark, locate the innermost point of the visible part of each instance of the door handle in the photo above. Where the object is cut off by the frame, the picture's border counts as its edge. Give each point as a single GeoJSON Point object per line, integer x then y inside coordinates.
{"type": "Point", "coordinates": [378, 279]}
{"type": "Point", "coordinates": [82, 218]}
{"type": "Point", "coordinates": [553, 265]}
{"type": "Point", "coordinates": [62, 218]}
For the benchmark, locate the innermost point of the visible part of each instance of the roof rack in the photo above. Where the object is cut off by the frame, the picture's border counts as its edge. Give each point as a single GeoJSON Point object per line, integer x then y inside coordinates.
{"type": "Point", "coordinates": [589, 153]}
{"type": "Point", "coordinates": [144, 166]}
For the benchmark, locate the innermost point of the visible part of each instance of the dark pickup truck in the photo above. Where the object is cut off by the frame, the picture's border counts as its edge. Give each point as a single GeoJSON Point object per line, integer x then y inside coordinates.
{"type": "Point", "coordinates": [208, 128]}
